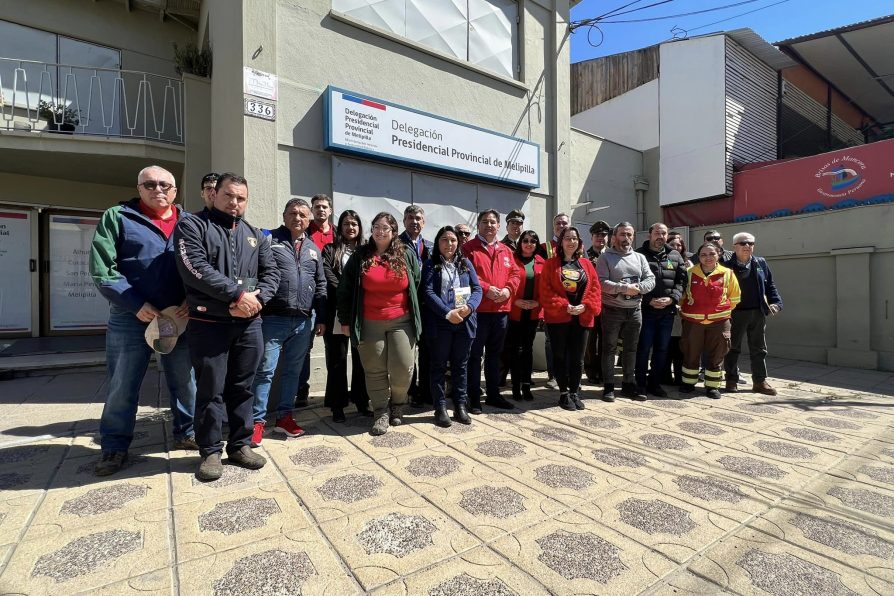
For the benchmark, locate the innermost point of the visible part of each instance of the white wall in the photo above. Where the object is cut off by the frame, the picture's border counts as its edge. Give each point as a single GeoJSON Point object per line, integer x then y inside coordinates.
{"type": "Point", "coordinates": [693, 127]}
{"type": "Point", "coordinates": [630, 119]}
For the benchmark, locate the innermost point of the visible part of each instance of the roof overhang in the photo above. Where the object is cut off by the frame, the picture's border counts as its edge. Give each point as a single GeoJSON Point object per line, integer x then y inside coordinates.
{"type": "Point", "coordinates": [857, 59]}
{"type": "Point", "coordinates": [761, 49]}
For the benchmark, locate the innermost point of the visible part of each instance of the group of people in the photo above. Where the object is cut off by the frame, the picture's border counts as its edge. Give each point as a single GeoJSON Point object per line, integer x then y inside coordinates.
{"type": "Point", "coordinates": [420, 319]}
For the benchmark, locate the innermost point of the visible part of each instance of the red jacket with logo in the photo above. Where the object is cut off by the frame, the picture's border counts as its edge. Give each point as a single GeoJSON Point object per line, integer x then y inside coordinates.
{"type": "Point", "coordinates": [709, 298]}
{"type": "Point", "coordinates": [554, 298]}
{"type": "Point", "coordinates": [495, 266]}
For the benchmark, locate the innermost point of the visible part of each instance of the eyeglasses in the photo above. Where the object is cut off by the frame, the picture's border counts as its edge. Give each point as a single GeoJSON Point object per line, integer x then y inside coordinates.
{"type": "Point", "coordinates": [382, 229]}
{"type": "Point", "coordinates": [712, 238]}
{"type": "Point", "coordinates": [209, 187]}
{"type": "Point", "coordinates": [745, 243]}
{"type": "Point", "coordinates": [152, 184]}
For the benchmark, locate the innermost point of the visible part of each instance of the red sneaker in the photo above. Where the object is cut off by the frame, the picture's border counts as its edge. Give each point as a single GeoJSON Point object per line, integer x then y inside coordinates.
{"type": "Point", "coordinates": [258, 434]}
{"type": "Point", "coordinates": [287, 426]}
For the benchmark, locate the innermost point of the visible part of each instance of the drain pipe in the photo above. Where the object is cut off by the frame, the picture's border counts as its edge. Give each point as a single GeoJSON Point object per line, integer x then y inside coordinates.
{"type": "Point", "coordinates": [640, 185]}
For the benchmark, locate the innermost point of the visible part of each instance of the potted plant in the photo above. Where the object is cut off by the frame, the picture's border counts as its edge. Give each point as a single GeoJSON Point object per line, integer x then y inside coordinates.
{"type": "Point", "coordinates": [59, 117]}
{"type": "Point", "coordinates": [190, 59]}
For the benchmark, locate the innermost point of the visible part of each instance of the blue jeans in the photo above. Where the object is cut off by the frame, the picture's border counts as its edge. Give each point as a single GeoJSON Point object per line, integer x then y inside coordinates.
{"type": "Point", "coordinates": [127, 358]}
{"type": "Point", "coordinates": [488, 342]}
{"type": "Point", "coordinates": [654, 335]}
{"type": "Point", "coordinates": [289, 338]}
{"type": "Point", "coordinates": [451, 344]}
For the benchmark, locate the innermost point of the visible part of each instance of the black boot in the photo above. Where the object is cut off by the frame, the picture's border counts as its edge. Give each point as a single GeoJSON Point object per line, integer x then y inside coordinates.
{"type": "Point", "coordinates": [442, 419]}
{"type": "Point", "coordinates": [516, 392]}
{"type": "Point", "coordinates": [526, 392]}
{"type": "Point", "coordinates": [565, 402]}
{"type": "Point", "coordinates": [475, 404]}
{"type": "Point", "coordinates": [461, 413]}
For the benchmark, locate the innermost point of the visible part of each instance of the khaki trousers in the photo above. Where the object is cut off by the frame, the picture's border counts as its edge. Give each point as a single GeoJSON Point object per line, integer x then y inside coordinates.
{"type": "Point", "coordinates": [386, 350]}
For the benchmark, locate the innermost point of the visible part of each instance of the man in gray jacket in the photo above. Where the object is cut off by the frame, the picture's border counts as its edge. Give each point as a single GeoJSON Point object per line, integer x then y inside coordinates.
{"type": "Point", "coordinates": [625, 276]}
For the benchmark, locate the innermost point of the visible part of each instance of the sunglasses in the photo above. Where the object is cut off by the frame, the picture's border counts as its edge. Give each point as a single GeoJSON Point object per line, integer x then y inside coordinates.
{"type": "Point", "coordinates": [712, 238]}
{"type": "Point", "coordinates": [745, 243]}
{"type": "Point", "coordinates": [462, 234]}
{"type": "Point", "coordinates": [152, 184]}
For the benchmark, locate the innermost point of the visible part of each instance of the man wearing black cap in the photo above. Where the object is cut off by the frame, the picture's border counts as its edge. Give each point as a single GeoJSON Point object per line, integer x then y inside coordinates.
{"type": "Point", "coordinates": [592, 364]}
{"type": "Point", "coordinates": [515, 223]}
{"type": "Point", "coordinates": [209, 180]}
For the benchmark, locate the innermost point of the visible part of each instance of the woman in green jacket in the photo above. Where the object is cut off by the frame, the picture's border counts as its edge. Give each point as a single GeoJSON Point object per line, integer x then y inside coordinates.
{"type": "Point", "coordinates": [378, 301]}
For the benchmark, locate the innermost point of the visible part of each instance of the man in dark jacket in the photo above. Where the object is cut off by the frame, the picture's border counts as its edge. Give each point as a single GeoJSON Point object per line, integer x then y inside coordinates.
{"type": "Point", "coordinates": [759, 299]}
{"type": "Point", "coordinates": [229, 274]}
{"type": "Point", "coordinates": [414, 222]}
{"type": "Point", "coordinates": [659, 309]}
{"type": "Point", "coordinates": [133, 264]}
{"type": "Point", "coordinates": [288, 318]}
{"type": "Point", "coordinates": [599, 232]}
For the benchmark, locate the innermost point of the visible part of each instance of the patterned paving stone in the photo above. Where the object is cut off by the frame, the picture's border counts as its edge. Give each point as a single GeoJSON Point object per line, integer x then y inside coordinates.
{"type": "Point", "coordinates": [581, 556]}
{"type": "Point", "coordinates": [493, 501]}
{"type": "Point", "coordinates": [749, 466]}
{"type": "Point", "coordinates": [317, 456]}
{"type": "Point", "coordinates": [393, 440]}
{"type": "Point", "coordinates": [669, 404]}
{"type": "Point", "coordinates": [664, 442]}
{"type": "Point", "coordinates": [785, 449]}
{"type": "Point", "coordinates": [103, 500]}
{"type": "Point", "coordinates": [433, 466]}
{"type": "Point", "coordinates": [232, 517]}
{"type": "Point", "coordinates": [701, 428]}
{"type": "Point", "coordinates": [856, 414]}
{"type": "Point", "coordinates": [86, 554]}
{"type": "Point", "coordinates": [466, 585]}
{"type": "Point", "coordinates": [709, 489]}
{"type": "Point", "coordinates": [843, 535]}
{"type": "Point", "coordinates": [731, 417]}
{"type": "Point", "coordinates": [788, 575]}
{"type": "Point", "coordinates": [600, 422]}
{"type": "Point", "coordinates": [655, 516]}
{"type": "Point", "coordinates": [274, 572]}
{"type": "Point", "coordinates": [16, 455]}
{"type": "Point", "coordinates": [396, 534]}
{"type": "Point", "coordinates": [558, 476]}
{"type": "Point", "coordinates": [231, 475]}
{"type": "Point", "coordinates": [618, 457]}
{"type": "Point", "coordinates": [864, 500]}
{"type": "Point", "coordinates": [500, 448]}
{"type": "Point", "coordinates": [879, 473]}
{"type": "Point", "coordinates": [350, 488]}
{"type": "Point", "coordinates": [554, 434]}
{"type": "Point", "coordinates": [639, 413]}
{"type": "Point", "coordinates": [809, 434]}
{"type": "Point", "coordinates": [833, 423]}
{"type": "Point", "coordinates": [758, 409]}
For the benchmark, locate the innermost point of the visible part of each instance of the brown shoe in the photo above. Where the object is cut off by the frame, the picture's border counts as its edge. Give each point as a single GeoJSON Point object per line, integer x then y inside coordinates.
{"type": "Point", "coordinates": [730, 386]}
{"type": "Point", "coordinates": [763, 387]}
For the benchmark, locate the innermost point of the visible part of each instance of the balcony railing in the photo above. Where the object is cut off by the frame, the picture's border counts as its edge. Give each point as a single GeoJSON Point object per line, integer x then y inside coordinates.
{"type": "Point", "coordinates": [49, 98]}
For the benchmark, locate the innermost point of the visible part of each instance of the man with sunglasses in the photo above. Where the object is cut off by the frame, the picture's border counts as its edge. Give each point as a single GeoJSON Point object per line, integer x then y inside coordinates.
{"type": "Point", "coordinates": [463, 233]}
{"type": "Point", "coordinates": [715, 237]}
{"type": "Point", "coordinates": [759, 299]}
{"type": "Point", "coordinates": [133, 264]}
{"type": "Point", "coordinates": [208, 183]}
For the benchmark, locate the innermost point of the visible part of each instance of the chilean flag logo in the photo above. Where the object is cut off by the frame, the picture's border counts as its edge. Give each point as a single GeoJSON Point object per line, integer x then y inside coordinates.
{"type": "Point", "coordinates": [363, 102]}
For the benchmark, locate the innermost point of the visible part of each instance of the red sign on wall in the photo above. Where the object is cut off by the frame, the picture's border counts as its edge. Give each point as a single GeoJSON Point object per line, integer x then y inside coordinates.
{"type": "Point", "coordinates": [845, 178]}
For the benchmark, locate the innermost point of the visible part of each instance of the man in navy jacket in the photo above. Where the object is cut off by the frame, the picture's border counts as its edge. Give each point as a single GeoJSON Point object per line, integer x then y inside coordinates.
{"type": "Point", "coordinates": [288, 318]}
{"type": "Point", "coordinates": [229, 274]}
{"type": "Point", "coordinates": [414, 222]}
{"type": "Point", "coordinates": [759, 299]}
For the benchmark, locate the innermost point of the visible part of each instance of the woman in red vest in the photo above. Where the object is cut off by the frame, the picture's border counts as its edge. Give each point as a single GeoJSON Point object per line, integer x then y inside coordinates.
{"type": "Point", "coordinates": [571, 297]}
{"type": "Point", "coordinates": [709, 297]}
{"type": "Point", "coordinates": [524, 316]}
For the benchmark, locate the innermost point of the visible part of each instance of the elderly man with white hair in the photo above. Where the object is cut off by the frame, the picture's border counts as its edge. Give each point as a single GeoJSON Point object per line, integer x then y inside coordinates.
{"type": "Point", "coordinates": [760, 298]}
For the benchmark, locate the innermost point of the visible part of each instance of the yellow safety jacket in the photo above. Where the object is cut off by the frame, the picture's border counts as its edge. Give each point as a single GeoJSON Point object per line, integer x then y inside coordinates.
{"type": "Point", "coordinates": [709, 298]}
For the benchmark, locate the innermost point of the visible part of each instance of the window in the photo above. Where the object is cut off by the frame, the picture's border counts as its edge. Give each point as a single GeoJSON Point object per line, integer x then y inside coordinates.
{"type": "Point", "coordinates": [481, 32]}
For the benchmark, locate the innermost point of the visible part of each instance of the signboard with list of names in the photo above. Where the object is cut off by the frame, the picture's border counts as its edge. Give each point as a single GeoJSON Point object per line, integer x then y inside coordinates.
{"type": "Point", "coordinates": [15, 270]}
{"type": "Point", "coordinates": [75, 303]}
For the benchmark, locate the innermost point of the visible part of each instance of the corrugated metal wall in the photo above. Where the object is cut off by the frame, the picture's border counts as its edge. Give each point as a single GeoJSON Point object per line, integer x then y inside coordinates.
{"type": "Point", "coordinates": [803, 126]}
{"type": "Point", "coordinates": [750, 110]}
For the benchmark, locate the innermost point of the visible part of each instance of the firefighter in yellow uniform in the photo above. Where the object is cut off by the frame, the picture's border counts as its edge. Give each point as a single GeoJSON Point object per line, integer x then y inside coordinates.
{"type": "Point", "coordinates": [709, 297]}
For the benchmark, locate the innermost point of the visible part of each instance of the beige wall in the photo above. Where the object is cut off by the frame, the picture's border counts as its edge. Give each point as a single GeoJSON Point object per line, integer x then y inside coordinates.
{"type": "Point", "coordinates": [308, 50]}
{"type": "Point", "coordinates": [602, 172]}
{"type": "Point", "coordinates": [34, 190]}
{"type": "Point", "coordinates": [835, 271]}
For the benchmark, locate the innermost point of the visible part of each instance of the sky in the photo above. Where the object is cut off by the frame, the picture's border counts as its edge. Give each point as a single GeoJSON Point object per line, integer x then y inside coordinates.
{"type": "Point", "coordinates": [787, 19]}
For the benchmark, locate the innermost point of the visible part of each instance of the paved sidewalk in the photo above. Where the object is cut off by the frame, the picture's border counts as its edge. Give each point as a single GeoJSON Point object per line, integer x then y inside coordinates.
{"type": "Point", "coordinates": [748, 494]}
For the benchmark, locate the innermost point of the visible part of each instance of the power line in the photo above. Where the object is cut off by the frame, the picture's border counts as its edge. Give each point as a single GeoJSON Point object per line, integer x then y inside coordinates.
{"type": "Point", "coordinates": [736, 16]}
{"type": "Point", "coordinates": [613, 13]}
{"type": "Point", "coordinates": [684, 14]}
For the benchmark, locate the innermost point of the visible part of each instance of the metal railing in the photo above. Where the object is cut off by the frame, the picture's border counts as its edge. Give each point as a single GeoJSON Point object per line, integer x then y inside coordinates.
{"type": "Point", "coordinates": [60, 98]}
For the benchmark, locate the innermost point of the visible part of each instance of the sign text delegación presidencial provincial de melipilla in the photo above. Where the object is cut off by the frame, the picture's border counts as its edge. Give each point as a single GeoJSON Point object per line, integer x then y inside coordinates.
{"type": "Point", "coordinates": [361, 125]}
